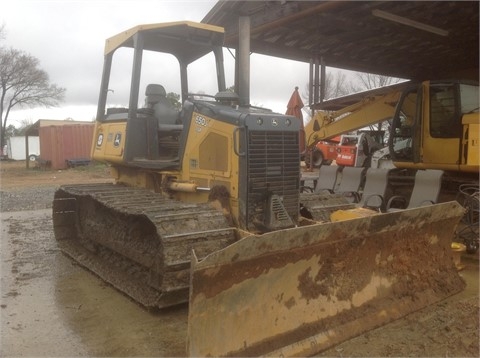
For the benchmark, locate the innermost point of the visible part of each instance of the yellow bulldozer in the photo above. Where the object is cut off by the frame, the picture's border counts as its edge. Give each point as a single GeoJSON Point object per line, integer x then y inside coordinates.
{"type": "Point", "coordinates": [205, 209]}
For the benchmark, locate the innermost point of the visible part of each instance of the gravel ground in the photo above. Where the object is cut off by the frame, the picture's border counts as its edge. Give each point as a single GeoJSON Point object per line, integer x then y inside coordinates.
{"type": "Point", "coordinates": [33, 189]}
{"type": "Point", "coordinates": [27, 199]}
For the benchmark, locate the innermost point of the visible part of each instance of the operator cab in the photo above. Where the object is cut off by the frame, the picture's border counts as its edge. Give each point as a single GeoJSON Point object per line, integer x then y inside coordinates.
{"type": "Point", "coordinates": [151, 129]}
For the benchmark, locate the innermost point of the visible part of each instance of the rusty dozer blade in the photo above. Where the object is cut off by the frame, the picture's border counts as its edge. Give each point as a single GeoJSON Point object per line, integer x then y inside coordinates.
{"type": "Point", "coordinates": [299, 291]}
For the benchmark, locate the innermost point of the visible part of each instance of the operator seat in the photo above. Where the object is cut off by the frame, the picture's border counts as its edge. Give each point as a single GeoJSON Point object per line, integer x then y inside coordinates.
{"type": "Point", "coordinates": [168, 129]}
{"type": "Point", "coordinates": [156, 98]}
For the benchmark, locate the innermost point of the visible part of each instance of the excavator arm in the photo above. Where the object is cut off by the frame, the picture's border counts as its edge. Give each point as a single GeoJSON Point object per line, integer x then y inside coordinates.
{"type": "Point", "coordinates": [346, 114]}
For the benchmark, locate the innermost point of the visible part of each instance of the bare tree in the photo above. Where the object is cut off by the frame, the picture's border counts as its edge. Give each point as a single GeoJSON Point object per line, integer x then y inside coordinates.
{"type": "Point", "coordinates": [336, 85]}
{"type": "Point", "coordinates": [24, 125]}
{"type": "Point", "coordinates": [23, 84]}
{"type": "Point", "coordinates": [370, 81]}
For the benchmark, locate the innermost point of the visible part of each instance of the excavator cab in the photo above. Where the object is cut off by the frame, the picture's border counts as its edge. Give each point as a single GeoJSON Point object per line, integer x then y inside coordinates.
{"type": "Point", "coordinates": [435, 126]}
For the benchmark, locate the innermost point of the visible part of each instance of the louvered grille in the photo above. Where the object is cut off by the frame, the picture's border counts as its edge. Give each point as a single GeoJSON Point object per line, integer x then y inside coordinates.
{"type": "Point", "coordinates": [273, 168]}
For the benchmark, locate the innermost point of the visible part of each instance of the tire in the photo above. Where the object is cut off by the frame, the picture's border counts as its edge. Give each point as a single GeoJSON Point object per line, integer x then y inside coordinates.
{"type": "Point", "coordinates": [32, 157]}
{"type": "Point", "coordinates": [472, 246]}
{"type": "Point", "coordinates": [317, 158]}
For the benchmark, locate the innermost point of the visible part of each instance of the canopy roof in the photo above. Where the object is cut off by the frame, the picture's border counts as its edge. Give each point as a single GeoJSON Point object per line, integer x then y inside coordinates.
{"type": "Point", "coordinates": [186, 40]}
{"type": "Point", "coordinates": [415, 40]}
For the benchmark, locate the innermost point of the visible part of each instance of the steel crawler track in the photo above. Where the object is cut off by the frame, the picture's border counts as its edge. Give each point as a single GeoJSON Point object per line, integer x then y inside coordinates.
{"type": "Point", "coordinates": [137, 240]}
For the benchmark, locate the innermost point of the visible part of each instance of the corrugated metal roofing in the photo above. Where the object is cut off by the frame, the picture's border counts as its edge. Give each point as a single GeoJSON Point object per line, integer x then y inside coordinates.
{"type": "Point", "coordinates": [415, 40]}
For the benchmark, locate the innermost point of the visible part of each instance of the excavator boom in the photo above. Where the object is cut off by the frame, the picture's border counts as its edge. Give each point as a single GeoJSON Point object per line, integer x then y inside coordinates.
{"type": "Point", "coordinates": [346, 114]}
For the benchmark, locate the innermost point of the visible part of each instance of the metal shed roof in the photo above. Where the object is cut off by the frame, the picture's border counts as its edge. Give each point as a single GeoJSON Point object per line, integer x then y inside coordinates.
{"type": "Point", "coordinates": [33, 129]}
{"type": "Point", "coordinates": [416, 40]}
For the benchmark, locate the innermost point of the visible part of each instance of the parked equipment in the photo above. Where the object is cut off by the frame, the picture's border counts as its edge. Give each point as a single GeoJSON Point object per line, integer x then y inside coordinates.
{"type": "Point", "coordinates": [346, 115]}
{"type": "Point", "coordinates": [439, 123]}
{"type": "Point", "coordinates": [206, 209]}
{"type": "Point", "coordinates": [17, 148]}
{"type": "Point", "coordinates": [434, 124]}
{"type": "Point", "coordinates": [324, 152]}
{"type": "Point", "coordinates": [355, 150]}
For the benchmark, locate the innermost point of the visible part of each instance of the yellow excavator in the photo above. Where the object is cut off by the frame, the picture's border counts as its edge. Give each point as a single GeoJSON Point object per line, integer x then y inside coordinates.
{"type": "Point", "coordinates": [433, 124]}
{"type": "Point", "coordinates": [205, 209]}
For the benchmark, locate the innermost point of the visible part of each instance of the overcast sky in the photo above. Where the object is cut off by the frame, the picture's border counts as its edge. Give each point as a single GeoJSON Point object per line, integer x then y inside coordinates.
{"type": "Point", "coordinates": [68, 38]}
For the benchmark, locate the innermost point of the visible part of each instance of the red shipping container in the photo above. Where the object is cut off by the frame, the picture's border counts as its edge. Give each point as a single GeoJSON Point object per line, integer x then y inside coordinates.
{"type": "Point", "coordinates": [65, 142]}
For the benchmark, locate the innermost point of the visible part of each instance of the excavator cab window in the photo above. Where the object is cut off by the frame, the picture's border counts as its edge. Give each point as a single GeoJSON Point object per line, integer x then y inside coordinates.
{"type": "Point", "coordinates": [444, 116]}
{"type": "Point", "coordinates": [469, 97]}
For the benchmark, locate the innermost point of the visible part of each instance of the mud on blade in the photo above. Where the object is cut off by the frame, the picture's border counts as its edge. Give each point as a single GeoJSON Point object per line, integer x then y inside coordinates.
{"type": "Point", "coordinates": [300, 291]}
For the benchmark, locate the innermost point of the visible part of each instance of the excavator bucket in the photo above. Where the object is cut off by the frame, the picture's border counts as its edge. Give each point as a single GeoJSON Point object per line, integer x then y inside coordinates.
{"type": "Point", "coordinates": [299, 291]}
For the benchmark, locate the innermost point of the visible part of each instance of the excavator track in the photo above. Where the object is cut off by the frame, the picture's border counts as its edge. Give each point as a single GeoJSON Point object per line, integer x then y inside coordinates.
{"type": "Point", "coordinates": [138, 241]}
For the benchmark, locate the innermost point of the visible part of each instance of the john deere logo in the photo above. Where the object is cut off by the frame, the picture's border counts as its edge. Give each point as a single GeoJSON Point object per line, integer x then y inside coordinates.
{"type": "Point", "coordinates": [100, 139]}
{"type": "Point", "coordinates": [274, 122]}
{"type": "Point", "coordinates": [117, 140]}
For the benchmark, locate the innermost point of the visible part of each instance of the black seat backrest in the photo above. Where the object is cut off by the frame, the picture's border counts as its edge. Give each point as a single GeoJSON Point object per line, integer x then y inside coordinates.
{"type": "Point", "coordinates": [156, 98]}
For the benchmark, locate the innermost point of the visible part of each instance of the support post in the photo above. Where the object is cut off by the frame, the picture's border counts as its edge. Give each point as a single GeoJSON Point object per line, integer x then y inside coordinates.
{"type": "Point", "coordinates": [27, 154]}
{"type": "Point", "coordinates": [322, 79]}
{"type": "Point", "coordinates": [244, 60]}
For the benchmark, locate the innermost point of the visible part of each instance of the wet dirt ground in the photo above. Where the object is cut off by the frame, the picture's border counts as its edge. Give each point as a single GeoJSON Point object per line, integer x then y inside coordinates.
{"type": "Point", "coordinates": [52, 307]}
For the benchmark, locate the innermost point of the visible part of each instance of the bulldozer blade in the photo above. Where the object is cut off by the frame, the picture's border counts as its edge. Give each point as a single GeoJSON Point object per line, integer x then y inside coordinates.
{"type": "Point", "coordinates": [299, 291]}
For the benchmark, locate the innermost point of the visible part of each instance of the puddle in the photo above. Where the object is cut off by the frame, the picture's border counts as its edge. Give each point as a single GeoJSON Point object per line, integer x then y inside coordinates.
{"type": "Point", "coordinates": [52, 307]}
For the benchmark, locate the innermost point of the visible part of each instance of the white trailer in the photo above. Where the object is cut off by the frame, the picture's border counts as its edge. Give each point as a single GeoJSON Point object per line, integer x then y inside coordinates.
{"type": "Point", "coordinates": [16, 148]}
